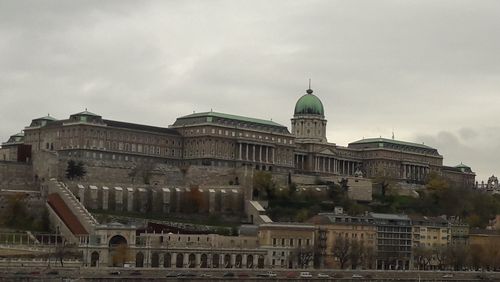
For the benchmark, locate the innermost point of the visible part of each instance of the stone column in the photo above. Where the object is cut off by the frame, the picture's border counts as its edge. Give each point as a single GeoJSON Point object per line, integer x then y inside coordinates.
{"type": "Point", "coordinates": [246, 151]}
{"type": "Point", "coordinates": [233, 260]}
{"type": "Point", "coordinates": [166, 199]}
{"type": "Point", "coordinates": [186, 260]}
{"type": "Point", "coordinates": [253, 153]}
{"type": "Point", "coordinates": [197, 260]}
{"type": "Point", "coordinates": [241, 152]}
{"type": "Point", "coordinates": [143, 200]}
{"type": "Point", "coordinates": [118, 199]}
{"type": "Point", "coordinates": [267, 154]}
{"type": "Point", "coordinates": [224, 200]}
{"type": "Point", "coordinates": [173, 260]}
{"type": "Point", "coordinates": [81, 194]}
{"type": "Point", "coordinates": [244, 261]}
{"type": "Point", "coordinates": [178, 199]}
{"type": "Point", "coordinates": [329, 160]}
{"type": "Point", "coordinates": [260, 153]}
{"type": "Point", "coordinates": [130, 199]}
{"type": "Point", "coordinates": [211, 201]}
{"type": "Point", "coordinates": [105, 198]}
{"type": "Point", "coordinates": [273, 155]}
{"type": "Point", "coordinates": [93, 197]}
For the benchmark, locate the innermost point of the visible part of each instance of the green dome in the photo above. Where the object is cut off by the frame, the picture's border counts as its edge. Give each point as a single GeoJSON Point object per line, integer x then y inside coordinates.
{"type": "Point", "coordinates": [309, 104]}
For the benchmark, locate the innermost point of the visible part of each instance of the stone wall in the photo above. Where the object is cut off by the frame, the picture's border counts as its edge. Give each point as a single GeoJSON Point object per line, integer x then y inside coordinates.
{"type": "Point", "coordinates": [16, 176]}
{"type": "Point", "coordinates": [157, 200]}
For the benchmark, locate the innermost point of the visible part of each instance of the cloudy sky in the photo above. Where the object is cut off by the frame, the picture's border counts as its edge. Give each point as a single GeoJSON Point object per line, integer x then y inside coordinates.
{"type": "Point", "coordinates": [429, 70]}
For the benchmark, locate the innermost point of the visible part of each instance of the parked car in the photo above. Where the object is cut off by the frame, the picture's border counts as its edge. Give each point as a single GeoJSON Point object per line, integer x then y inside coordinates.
{"type": "Point", "coordinates": [357, 276]}
{"type": "Point", "coordinates": [114, 273]}
{"type": "Point", "coordinates": [186, 274]}
{"type": "Point", "coordinates": [243, 274]}
{"type": "Point", "coordinates": [228, 274]}
{"type": "Point", "coordinates": [448, 275]}
{"type": "Point", "coordinates": [323, 275]}
{"type": "Point", "coordinates": [268, 274]}
{"type": "Point", "coordinates": [305, 274]}
{"type": "Point", "coordinates": [172, 274]}
{"type": "Point", "coordinates": [291, 274]}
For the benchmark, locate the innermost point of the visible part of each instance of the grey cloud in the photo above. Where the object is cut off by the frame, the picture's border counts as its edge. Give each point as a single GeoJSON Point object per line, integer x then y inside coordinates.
{"type": "Point", "coordinates": [427, 69]}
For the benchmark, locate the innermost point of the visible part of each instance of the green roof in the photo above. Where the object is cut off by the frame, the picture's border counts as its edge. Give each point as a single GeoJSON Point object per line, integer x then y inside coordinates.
{"type": "Point", "coordinates": [233, 117]}
{"type": "Point", "coordinates": [309, 104]}
{"type": "Point", "coordinates": [391, 141]}
{"type": "Point", "coordinates": [85, 113]}
{"type": "Point", "coordinates": [47, 117]}
{"type": "Point", "coordinates": [461, 165]}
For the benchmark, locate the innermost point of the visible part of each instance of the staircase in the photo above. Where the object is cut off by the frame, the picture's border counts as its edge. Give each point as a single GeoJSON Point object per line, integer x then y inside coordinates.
{"type": "Point", "coordinates": [72, 218]}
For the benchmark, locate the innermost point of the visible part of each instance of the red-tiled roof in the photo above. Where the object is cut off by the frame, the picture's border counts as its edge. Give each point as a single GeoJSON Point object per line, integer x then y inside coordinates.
{"type": "Point", "coordinates": [62, 210]}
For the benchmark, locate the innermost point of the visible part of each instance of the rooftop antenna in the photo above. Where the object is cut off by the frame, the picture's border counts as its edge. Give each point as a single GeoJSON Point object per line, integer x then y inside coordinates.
{"type": "Point", "coordinates": [393, 134]}
{"type": "Point", "coordinates": [85, 109]}
{"type": "Point", "coordinates": [309, 91]}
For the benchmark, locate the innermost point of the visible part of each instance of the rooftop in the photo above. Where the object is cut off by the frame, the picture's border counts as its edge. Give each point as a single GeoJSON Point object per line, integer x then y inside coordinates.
{"type": "Point", "coordinates": [85, 113]}
{"type": "Point", "coordinates": [232, 117]}
{"type": "Point", "coordinates": [391, 141]}
{"type": "Point", "coordinates": [389, 216]}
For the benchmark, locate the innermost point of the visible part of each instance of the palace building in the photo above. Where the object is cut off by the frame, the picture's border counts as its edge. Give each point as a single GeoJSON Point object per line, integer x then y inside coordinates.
{"type": "Point", "coordinates": [212, 139]}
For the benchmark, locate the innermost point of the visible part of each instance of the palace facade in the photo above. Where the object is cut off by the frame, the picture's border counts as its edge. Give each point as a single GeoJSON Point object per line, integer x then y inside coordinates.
{"type": "Point", "coordinates": [224, 140]}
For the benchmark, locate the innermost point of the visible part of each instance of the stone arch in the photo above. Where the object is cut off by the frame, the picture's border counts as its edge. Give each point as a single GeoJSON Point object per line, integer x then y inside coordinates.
{"type": "Point", "coordinates": [192, 260]}
{"type": "Point", "coordinates": [167, 260]}
{"type": "Point", "coordinates": [250, 261]}
{"type": "Point", "coordinates": [117, 240]}
{"type": "Point", "coordinates": [239, 261]}
{"type": "Point", "coordinates": [139, 260]}
{"type": "Point", "coordinates": [180, 260]}
{"type": "Point", "coordinates": [155, 260]}
{"type": "Point", "coordinates": [216, 261]}
{"type": "Point", "coordinates": [203, 261]}
{"type": "Point", "coordinates": [227, 261]}
{"type": "Point", "coordinates": [94, 259]}
{"type": "Point", "coordinates": [260, 262]}
{"type": "Point", "coordinates": [119, 252]}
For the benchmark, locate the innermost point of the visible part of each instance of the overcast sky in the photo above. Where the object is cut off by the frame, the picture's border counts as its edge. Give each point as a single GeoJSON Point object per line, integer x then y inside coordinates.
{"type": "Point", "coordinates": [429, 70]}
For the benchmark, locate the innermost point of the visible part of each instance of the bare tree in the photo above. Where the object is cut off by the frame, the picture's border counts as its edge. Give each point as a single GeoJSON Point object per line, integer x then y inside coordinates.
{"type": "Point", "coordinates": [422, 256]}
{"type": "Point", "coordinates": [457, 256]}
{"type": "Point", "coordinates": [369, 257]}
{"type": "Point", "coordinates": [341, 249]}
{"type": "Point", "coordinates": [356, 252]}
{"type": "Point", "coordinates": [303, 255]}
{"type": "Point", "coordinates": [440, 254]}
